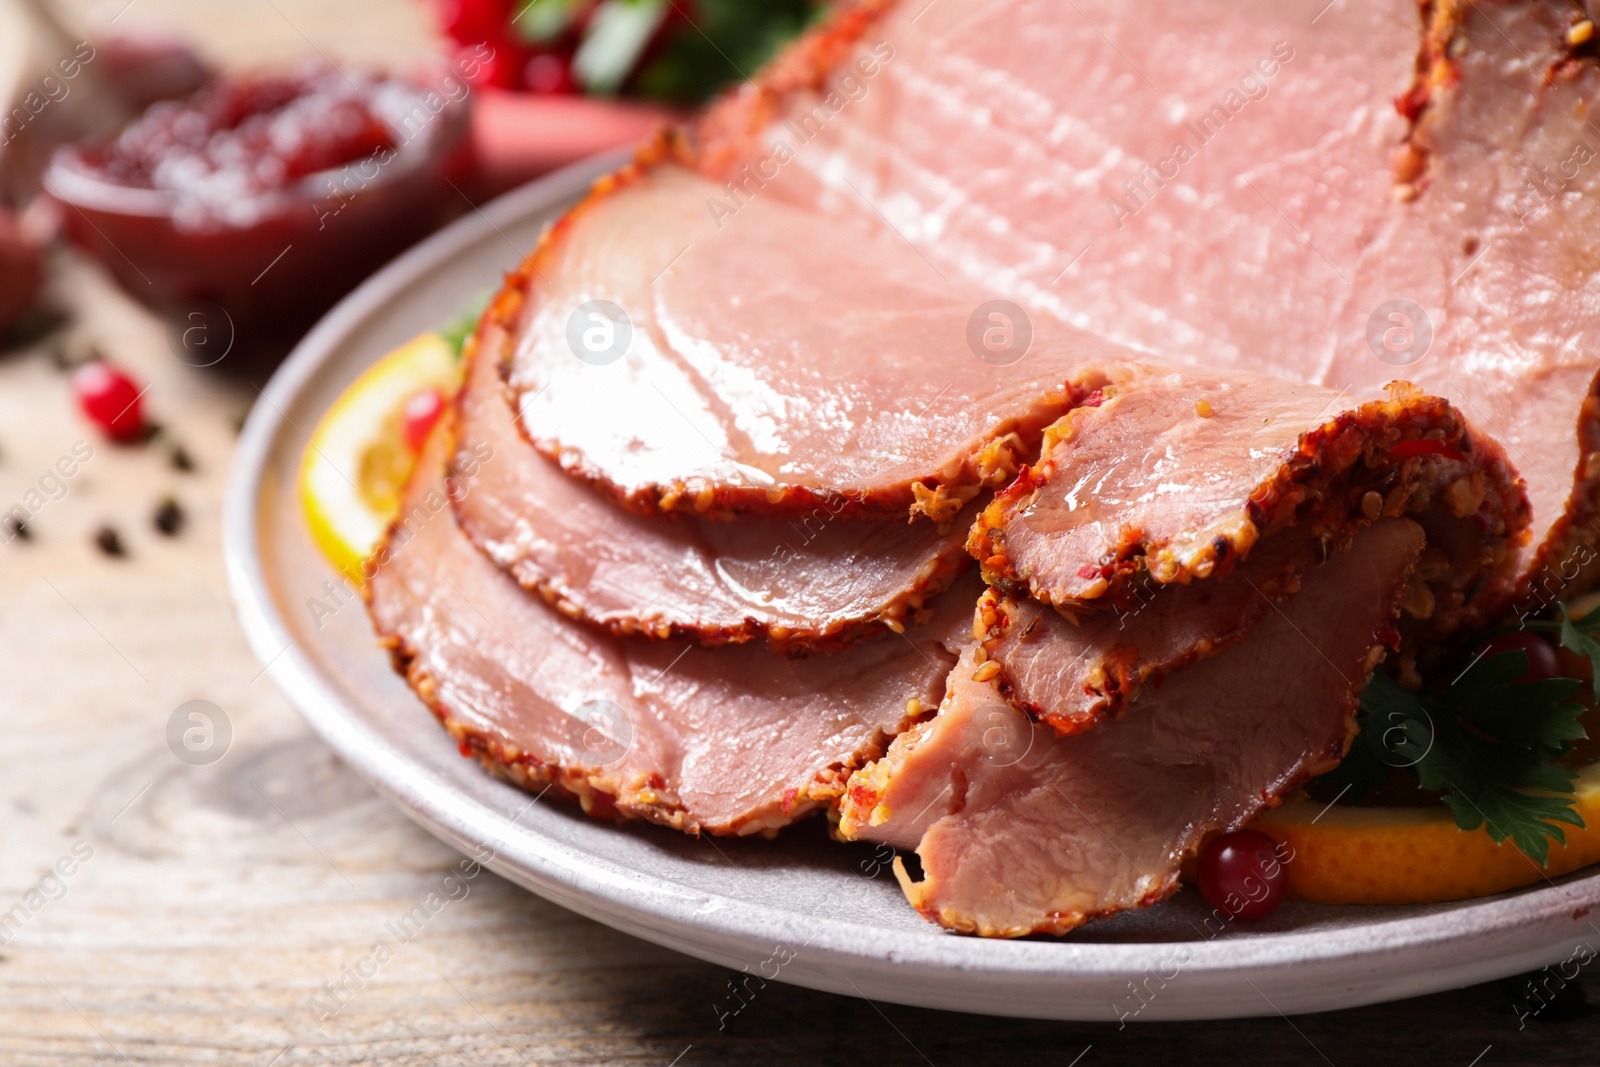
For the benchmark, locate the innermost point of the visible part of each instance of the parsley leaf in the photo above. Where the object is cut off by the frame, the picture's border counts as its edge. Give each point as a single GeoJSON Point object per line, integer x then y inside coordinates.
{"type": "Point", "coordinates": [1577, 635]}
{"type": "Point", "coordinates": [1389, 716]}
{"type": "Point", "coordinates": [1487, 744]}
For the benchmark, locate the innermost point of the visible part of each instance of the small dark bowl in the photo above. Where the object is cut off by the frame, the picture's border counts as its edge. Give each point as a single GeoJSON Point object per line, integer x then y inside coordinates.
{"type": "Point", "coordinates": [275, 262]}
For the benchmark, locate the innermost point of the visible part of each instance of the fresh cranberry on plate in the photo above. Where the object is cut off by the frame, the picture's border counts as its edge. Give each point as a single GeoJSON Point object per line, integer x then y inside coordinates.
{"type": "Point", "coordinates": [1542, 660]}
{"type": "Point", "coordinates": [1242, 873]}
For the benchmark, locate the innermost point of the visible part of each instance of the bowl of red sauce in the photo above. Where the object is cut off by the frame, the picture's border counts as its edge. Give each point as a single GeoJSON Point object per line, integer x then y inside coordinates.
{"type": "Point", "coordinates": [268, 196]}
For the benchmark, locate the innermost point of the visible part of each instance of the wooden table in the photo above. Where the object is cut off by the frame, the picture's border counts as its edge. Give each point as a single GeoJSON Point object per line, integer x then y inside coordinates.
{"type": "Point", "coordinates": [210, 910]}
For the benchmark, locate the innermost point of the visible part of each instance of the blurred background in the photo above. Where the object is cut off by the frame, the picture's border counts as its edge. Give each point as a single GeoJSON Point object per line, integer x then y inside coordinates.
{"type": "Point", "coordinates": [185, 185]}
{"type": "Point", "coordinates": [253, 161]}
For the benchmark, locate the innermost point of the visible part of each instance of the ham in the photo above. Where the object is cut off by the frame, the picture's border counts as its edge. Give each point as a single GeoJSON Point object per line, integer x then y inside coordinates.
{"type": "Point", "coordinates": [721, 741]}
{"type": "Point", "coordinates": [1073, 674]}
{"type": "Point", "coordinates": [1178, 475]}
{"type": "Point", "coordinates": [1021, 831]}
{"type": "Point", "coordinates": [1335, 194]}
{"type": "Point", "coordinates": [922, 260]}
{"type": "Point", "coordinates": [802, 582]}
{"type": "Point", "coordinates": [835, 373]}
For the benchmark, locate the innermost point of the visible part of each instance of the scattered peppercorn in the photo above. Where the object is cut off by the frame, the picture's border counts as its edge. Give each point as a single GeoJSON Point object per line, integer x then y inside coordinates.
{"type": "Point", "coordinates": [169, 517]}
{"type": "Point", "coordinates": [17, 528]}
{"type": "Point", "coordinates": [109, 543]}
{"type": "Point", "coordinates": [159, 436]}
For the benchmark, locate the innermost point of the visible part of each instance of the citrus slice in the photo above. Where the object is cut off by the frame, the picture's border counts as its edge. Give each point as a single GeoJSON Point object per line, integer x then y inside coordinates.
{"type": "Point", "coordinates": [357, 459]}
{"type": "Point", "coordinates": [1345, 855]}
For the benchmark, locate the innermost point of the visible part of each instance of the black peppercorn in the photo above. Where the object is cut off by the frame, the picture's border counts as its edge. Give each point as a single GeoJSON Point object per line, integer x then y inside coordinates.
{"type": "Point", "coordinates": [108, 542]}
{"type": "Point", "coordinates": [169, 516]}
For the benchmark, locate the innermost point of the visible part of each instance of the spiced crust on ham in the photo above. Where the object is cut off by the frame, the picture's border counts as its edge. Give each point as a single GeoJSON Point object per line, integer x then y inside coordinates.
{"type": "Point", "coordinates": [1072, 675]}
{"type": "Point", "coordinates": [721, 741]}
{"type": "Point", "coordinates": [1021, 831]}
{"type": "Point", "coordinates": [802, 583]}
{"type": "Point", "coordinates": [1177, 476]}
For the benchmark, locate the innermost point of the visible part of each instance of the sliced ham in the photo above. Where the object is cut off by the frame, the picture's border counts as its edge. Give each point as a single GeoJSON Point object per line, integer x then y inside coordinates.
{"type": "Point", "coordinates": [724, 741]}
{"type": "Point", "coordinates": [1177, 475]}
{"type": "Point", "coordinates": [1260, 185]}
{"type": "Point", "coordinates": [789, 312]}
{"type": "Point", "coordinates": [806, 581]}
{"type": "Point", "coordinates": [1021, 831]}
{"type": "Point", "coordinates": [1074, 672]}
{"type": "Point", "coordinates": [775, 361]}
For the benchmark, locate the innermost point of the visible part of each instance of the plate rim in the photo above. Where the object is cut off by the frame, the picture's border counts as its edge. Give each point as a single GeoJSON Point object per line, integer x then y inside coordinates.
{"type": "Point", "coordinates": [1359, 964]}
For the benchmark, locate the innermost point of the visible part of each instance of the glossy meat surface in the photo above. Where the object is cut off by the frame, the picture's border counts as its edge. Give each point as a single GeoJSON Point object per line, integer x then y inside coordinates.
{"type": "Point", "coordinates": [806, 581]}
{"type": "Point", "coordinates": [723, 740]}
{"type": "Point", "coordinates": [774, 363]}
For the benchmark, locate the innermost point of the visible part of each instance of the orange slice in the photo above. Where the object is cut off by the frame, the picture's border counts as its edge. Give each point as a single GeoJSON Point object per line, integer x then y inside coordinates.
{"type": "Point", "coordinates": [356, 461]}
{"type": "Point", "coordinates": [1346, 855]}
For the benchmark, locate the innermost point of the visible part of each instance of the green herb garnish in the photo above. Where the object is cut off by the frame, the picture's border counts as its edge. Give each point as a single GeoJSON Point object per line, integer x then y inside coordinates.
{"type": "Point", "coordinates": [720, 42]}
{"type": "Point", "coordinates": [457, 330]}
{"type": "Point", "coordinates": [1579, 635]}
{"type": "Point", "coordinates": [1487, 744]}
{"type": "Point", "coordinates": [677, 51]}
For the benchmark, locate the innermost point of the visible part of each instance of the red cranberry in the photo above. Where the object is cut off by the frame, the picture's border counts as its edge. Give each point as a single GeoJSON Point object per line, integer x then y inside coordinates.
{"type": "Point", "coordinates": [490, 65]}
{"type": "Point", "coordinates": [550, 74]}
{"type": "Point", "coordinates": [110, 399]}
{"type": "Point", "coordinates": [1242, 874]}
{"type": "Point", "coordinates": [471, 21]}
{"type": "Point", "coordinates": [419, 416]}
{"type": "Point", "coordinates": [1542, 662]}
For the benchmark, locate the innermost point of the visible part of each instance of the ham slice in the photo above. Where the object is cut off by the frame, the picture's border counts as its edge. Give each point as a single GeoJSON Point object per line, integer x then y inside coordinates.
{"type": "Point", "coordinates": [807, 581]}
{"type": "Point", "coordinates": [774, 362]}
{"type": "Point", "coordinates": [1231, 184]}
{"type": "Point", "coordinates": [1021, 831]}
{"type": "Point", "coordinates": [1073, 674]}
{"type": "Point", "coordinates": [1177, 476]}
{"type": "Point", "coordinates": [723, 741]}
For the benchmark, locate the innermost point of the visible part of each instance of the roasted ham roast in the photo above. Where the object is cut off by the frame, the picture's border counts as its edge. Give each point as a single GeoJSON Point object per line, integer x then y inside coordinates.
{"type": "Point", "coordinates": [1222, 341]}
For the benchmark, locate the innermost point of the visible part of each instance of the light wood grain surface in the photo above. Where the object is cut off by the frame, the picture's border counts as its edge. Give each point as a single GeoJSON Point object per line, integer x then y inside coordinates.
{"type": "Point", "coordinates": [228, 913]}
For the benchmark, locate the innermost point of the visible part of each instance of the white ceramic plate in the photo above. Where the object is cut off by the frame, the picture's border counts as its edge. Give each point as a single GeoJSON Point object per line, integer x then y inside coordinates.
{"type": "Point", "coordinates": [801, 909]}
